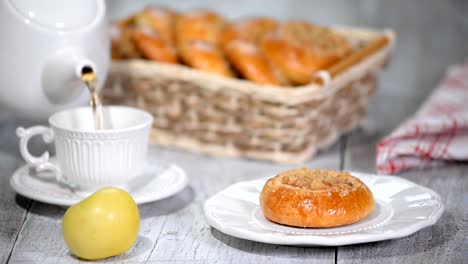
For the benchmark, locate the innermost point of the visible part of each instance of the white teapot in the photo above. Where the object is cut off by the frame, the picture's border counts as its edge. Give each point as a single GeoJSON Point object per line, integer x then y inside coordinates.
{"type": "Point", "coordinates": [44, 47]}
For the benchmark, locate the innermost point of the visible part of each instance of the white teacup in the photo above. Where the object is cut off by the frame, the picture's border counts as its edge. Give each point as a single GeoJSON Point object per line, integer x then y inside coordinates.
{"type": "Point", "coordinates": [89, 158]}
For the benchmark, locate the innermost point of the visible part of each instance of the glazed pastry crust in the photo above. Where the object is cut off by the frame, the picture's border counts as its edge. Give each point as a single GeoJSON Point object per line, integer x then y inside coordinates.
{"type": "Point", "coordinates": [161, 20]}
{"type": "Point", "coordinates": [316, 198]}
{"type": "Point", "coordinates": [199, 25]}
{"type": "Point", "coordinates": [122, 46]}
{"type": "Point", "coordinates": [259, 49]}
{"type": "Point", "coordinates": [248, 60]}
{"type": "Point", "coordinates": [299, 49]}
{"type": "Point", "coordinates": [249, 30]}
{"type": "Point", "coordinates": [153, 46]}
{"type": "Point", "coordinates": [205, 57]}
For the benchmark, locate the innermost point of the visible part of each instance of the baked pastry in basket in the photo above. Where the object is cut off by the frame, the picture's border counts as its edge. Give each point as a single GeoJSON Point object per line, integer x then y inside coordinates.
{"type": "Point", "coordinates": [248, 30]}
{"type": "Point", "coordinates": [259, 49]}
{"type": "Point", "coordinates": [162, 20]}
{"type": "Point", "coordinates": [199, 25]}
{"type": "Point", "coordinates": [250, 62]}
{"type": "Point", "coordinates": [197, 37]}
{"type": "Point", "coordinates": [121, 39]}
{"type": "Point", "coordinates": [299, 49]}
{"type": "Point", "coordinates": [316, 198]}
{"type": "Point", "coordinates": [205, 56]}
{"type": "Point", "coordinates": [153, 46]}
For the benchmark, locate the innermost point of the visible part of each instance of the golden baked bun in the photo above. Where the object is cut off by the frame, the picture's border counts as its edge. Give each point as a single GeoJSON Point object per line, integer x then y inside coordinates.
{"type": "Point", "coordinates": [198, 25]}
{"type": "Point", "coordinates": [160, 19]}
{"type": "Point", "coordinates": [126, 21]}
{"type": "Point", "coordinates": [121, 40]}
{"type": "Point", "coordinates": [205, 57]}
{"type": "Point", "coordinates": [249, 30]}
{"type": "Point", "coordinates": [316, 198]}
{"type": "Point", "coordinates": [299, 49]}
{"type": "Point", "coordinates": [153, 46]}
{"type": "Point", "coordinates": [247, 59]}
{"type": "Point", "coordinates": [115, 35]}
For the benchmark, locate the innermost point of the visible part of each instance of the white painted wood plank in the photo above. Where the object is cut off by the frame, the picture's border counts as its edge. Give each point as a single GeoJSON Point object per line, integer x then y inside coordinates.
{"type": "Point", "coordinates": [175, 229]}
{"type": "Point", "coordinates": [445, 242]}
{"type": "Point", "coordinates": [187, 236]}
{"type": "Point", "coordinates": [12, 209]}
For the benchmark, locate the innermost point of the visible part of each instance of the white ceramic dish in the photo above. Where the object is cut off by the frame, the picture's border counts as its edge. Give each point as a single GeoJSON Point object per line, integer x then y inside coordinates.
{"type": "Point", "coordinates": [403, 208]}
{"type": "Point", "coordinates": [157, 182]}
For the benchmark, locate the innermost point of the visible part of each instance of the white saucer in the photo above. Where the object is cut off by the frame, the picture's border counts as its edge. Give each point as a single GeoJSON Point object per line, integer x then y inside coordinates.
{"type": "Point", "coordinates": [403, 208]}
{"type": "Point", "coordinates": [158, 181]}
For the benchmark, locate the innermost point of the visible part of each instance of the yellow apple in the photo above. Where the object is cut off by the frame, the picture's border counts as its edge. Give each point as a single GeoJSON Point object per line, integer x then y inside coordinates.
{"type": "Point", "coordinates": [103, 225]}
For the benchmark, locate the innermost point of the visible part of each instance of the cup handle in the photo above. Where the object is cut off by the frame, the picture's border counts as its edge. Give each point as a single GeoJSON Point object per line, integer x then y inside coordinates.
{"type": "Point", "coordinates": [42, 162]}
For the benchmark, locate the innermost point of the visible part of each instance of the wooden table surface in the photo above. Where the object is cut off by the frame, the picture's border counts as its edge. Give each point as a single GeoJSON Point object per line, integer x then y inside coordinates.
{"type": "Point", "coordinates": [431, 35]}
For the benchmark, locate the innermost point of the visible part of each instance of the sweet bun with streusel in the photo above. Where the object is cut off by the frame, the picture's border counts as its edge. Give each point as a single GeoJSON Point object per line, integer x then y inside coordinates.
{"type": "Point", "coordinates": [251, 64]}
{"type": "Point", "coordinates": [153, 46]}
{"type": "Point", "coordinates": [122, 46]}
{"type": "Point", "coordinates": [316, 198]}
{"type": "Point", "coordinates": [197, 39]}
{"type": "Point", "coordinates": [299, 49]}
{"type": "Point", "coordinates": [249, 30]}
{"type": "Point", "coordinates": [160, 19]}
{"type": "Point", "coordinates": [199, 25]}
{"type": "Point", "coordinates": [205, 56]}
{"type": "Point", "coordinates": [259, 49]}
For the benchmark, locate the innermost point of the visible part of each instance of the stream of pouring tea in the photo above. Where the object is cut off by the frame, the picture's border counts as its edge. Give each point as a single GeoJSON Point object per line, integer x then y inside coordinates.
{"type": "Point", "coordinates": [89, 78]}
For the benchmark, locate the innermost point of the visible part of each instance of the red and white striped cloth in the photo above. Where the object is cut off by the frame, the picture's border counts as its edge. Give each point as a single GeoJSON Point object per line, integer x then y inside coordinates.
{"type": "Point", "coordinates": [438, 132]}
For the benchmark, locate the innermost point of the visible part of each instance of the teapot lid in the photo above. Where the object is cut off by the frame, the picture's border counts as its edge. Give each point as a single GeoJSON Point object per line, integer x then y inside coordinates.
{"type": "Point", "coordinates": [58, 14]}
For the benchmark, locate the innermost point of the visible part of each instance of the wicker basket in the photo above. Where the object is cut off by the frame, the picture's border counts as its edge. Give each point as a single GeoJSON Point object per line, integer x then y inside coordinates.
{"type": "Point", "coordinates": [223, 116]}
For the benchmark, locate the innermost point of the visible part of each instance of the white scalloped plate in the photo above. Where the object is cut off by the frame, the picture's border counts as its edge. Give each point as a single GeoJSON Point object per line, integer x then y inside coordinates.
{"type": "Point", "coordinates": [158, 181]}
{"type": "Point", "coordinates": [403, 208]}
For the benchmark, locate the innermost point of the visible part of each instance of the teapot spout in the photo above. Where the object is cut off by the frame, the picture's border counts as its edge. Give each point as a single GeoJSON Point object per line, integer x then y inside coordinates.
{"type": "Point", "coordinates": [61, 76]}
